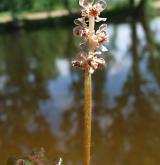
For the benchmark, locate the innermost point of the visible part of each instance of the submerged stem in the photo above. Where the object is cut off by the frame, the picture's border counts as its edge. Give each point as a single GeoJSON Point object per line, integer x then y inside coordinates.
{"type": "Point", "coordinates": [87, 118]}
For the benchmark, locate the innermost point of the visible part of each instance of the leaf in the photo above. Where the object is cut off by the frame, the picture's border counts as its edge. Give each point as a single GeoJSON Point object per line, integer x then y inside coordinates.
{"type": "Point", "coordinates": [20, 162]}
{"type": "Point", "coordinates": [27, 162]}
{"type": "Point", "coordinates": [11, 161]}
{"type": "Point", "coordinates": [39, 153]}
{"type": "Point", "coordinates": [108, 58]}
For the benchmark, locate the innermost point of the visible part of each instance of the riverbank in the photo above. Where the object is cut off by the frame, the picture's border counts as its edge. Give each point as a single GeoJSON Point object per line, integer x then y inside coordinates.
{"type": "Point", "coordinates": [63, 17]}
{"type": "Point", "coordinates": [35, 16]}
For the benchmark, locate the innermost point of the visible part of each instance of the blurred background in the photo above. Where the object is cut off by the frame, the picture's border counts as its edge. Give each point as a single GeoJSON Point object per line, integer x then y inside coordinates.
{"type": "Point", "coordinates": [41, 95]}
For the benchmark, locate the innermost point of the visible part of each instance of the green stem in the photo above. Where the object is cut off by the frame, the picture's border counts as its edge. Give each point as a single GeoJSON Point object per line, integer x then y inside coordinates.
{"type": "Point", "coordinates": [87, 117]}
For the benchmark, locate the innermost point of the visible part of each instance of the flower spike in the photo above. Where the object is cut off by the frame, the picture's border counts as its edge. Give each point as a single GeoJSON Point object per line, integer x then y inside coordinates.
{"type": "Point", "coordinates": [94, 42]}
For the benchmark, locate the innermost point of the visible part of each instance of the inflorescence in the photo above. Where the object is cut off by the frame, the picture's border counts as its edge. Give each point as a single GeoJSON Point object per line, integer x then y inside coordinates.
{"type": "Point", "coordinates": [93, 41]}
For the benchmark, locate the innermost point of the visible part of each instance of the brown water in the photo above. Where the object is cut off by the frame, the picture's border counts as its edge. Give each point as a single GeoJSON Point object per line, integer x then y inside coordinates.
{"type": "Point", "coordinates": [41, 96]}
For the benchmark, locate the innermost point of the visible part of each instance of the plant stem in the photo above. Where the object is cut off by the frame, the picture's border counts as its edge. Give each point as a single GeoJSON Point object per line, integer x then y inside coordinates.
{"type": "Point", "coordinates": [91, 24]}
{"type": "Point", "coordinates": [87, 118]}
{"type": "Point", "coordinates": [88, 104]}
{"type": "Point", "coordinates": [91, 31]}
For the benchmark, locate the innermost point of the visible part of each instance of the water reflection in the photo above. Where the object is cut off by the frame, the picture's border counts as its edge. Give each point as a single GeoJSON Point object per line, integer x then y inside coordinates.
{"type": "Point", "coordinates": [41, 96]}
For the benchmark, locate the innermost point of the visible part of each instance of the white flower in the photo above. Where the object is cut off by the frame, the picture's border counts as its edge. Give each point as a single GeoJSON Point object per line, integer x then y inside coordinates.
{"type": "Point", "coordinates": [93, 10]}
{"type": "Point", "coordinates": [80, 31]}
{"type": "Point", "coordinates": [80, 21]}
{"type": "Point", "coordinates": [92, 62]}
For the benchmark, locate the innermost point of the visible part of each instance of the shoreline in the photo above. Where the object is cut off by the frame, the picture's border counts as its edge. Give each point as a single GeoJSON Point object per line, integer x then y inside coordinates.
{"type": "Point", "coordinates": [63, 17]}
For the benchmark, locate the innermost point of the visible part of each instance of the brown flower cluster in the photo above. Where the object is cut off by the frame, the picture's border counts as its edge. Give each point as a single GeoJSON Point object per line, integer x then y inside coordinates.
{"type": "Point", "coordinates": [94, 41]}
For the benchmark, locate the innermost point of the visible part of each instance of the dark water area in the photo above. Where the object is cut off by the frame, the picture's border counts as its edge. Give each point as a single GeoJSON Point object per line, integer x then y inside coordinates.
{"type": "Point", "coordinates": [41, 96]}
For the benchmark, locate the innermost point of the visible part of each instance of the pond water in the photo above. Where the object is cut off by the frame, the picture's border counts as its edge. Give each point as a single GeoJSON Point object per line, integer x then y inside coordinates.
{"type": "Point", "coordinates": [41, 96]}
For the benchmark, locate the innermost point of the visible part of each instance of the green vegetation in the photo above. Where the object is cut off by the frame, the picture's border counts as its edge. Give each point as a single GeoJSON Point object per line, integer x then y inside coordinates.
{"type": "Point", "coordinates": [37, 157]}
{"type": "Point", "coordinates": [23, 13]}
{"type": "Point", "coordinates": [35, 5]}
{"type": "Point", "coordinates": [48, 5]}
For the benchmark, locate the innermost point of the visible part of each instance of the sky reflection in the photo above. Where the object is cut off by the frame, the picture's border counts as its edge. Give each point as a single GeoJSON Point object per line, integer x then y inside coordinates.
{"type": "Point", "coordinates": [41, 96]}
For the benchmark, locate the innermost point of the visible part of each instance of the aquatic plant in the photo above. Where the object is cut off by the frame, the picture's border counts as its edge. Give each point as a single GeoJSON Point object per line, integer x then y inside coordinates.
{"type": "Point", "coordinates": [89, 57]}
{"type": "Point", "coordinates": [37, 157]}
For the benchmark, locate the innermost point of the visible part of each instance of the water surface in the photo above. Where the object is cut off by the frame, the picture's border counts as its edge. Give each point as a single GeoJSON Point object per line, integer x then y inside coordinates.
{"type": "Point", "coordinates": [41, 96]}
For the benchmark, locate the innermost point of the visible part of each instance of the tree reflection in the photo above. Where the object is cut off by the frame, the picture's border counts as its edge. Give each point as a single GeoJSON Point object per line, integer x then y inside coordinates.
{"type": "Point", "coordinates": [25, 71]}
{"type": "Point", "coordinates": [131, 130]}
{"type": "Point", "coordinates": [123, 133]}
{"type": "Point", "coordinates": [127, 127]}
{"type": "Point", "coordinates": [152, 47]}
